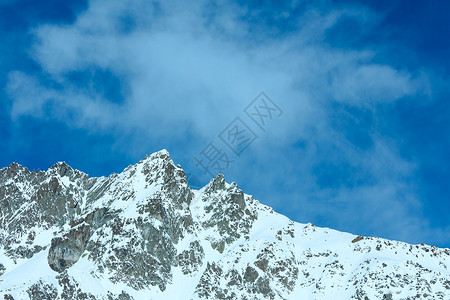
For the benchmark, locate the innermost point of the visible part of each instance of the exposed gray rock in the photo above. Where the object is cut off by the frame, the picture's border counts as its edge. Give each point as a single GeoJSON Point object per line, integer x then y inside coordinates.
{"type": "Point", "coordinates": [65, 251]}
{"type": "Point", "coordinates": [42, 291]}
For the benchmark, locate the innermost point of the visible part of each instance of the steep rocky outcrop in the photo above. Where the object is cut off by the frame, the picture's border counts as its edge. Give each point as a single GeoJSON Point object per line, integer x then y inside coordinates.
{"type": "Point", "coordinates": [65, 251]}
{"type": "Point", "coordinates": [145, 234]}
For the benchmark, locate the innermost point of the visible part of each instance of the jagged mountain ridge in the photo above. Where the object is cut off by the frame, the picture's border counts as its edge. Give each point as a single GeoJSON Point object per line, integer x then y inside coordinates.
{"type": "Point", "coordinates": [144, 234]}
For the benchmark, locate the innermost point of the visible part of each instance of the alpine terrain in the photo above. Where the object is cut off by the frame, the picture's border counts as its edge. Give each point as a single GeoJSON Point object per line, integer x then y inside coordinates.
{"type": "Point", "coordinates": [145, 234]}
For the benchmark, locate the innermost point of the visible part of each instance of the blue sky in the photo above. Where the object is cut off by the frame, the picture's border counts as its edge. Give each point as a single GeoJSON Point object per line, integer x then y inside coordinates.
{"type": "Point", "coordinates": [361, 144]}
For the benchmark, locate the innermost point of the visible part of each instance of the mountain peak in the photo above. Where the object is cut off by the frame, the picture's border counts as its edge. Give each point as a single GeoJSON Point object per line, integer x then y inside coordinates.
{"type": "Point", "coordinates": [61, 168]}
{"type": "Point", "coordinates": [161, 154]}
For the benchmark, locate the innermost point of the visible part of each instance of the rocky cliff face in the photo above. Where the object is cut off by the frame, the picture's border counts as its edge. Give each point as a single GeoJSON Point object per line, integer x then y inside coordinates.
{"type": "Point", "coordinates": [144, 234]}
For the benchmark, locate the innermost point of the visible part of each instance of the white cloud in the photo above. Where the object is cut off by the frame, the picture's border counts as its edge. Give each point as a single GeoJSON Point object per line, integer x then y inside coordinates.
{"type": "Point", "coordinates": [182, 63]}
{"type": "Point", "coordinates": [195, 66]}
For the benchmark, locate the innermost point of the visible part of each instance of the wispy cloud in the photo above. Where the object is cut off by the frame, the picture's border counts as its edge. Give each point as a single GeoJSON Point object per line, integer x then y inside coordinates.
{"type": "Point", "coordinates": [179, 69]}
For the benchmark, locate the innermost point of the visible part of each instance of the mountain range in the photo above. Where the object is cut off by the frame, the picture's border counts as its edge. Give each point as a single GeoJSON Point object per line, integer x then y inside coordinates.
{"type": "Point", "coordinates": [145, 234]}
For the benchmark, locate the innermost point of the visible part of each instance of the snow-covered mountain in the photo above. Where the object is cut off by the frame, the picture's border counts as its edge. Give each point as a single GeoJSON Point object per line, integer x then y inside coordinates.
{"type": "Point", "coordinates": [144, 234]}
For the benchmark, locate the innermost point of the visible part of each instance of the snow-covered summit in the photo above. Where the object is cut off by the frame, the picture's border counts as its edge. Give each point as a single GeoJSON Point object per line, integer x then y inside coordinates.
{"type": "Point", "coordinates": [144, 234]}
